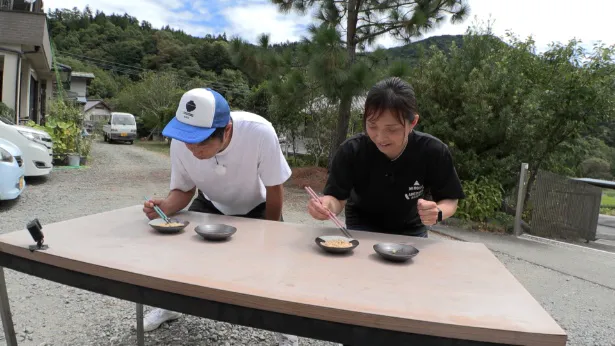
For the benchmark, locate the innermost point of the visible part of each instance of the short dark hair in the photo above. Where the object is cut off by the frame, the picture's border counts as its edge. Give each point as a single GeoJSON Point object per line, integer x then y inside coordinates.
{"type": "Point", "coordinates": [393, 94]}
{"type": "Point", "coordinates": [217, 134]}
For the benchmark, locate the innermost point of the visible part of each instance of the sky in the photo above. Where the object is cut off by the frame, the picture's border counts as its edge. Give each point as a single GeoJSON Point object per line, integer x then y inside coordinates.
{"type": "Point", "coordinates": [546, 21]}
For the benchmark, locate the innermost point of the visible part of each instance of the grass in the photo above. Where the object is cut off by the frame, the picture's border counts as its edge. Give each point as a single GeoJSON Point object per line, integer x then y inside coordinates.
{"type": "Point", "coordinates": [155, 146]}
{"type": "Point", "coordinates": [608, 202]}
{"type": "Point", "coordinates": [608, 197]}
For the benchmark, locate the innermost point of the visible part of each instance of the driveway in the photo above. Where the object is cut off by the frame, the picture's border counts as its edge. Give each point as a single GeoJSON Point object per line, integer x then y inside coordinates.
{"type": "Point", "coordinates": [46, 313]}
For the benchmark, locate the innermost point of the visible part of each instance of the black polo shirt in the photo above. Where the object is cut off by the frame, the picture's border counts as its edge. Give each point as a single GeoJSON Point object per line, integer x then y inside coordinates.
{"type": "Point", "coordinates": [381, 193]}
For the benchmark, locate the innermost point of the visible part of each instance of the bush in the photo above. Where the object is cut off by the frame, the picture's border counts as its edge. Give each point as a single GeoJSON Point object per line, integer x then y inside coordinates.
{"type": "Point", "coordinates": [607, 210]}
{"type": "Point", "coordinates": [483, 199]}
{"type": "Point", "coordinates": [64, 125]}
{"type": "Point", "coordinates": [503, 221]}
{"type": "Point", "coordinates": [6, 112]}
{"type": "Point", "coordinates": [596, 168]}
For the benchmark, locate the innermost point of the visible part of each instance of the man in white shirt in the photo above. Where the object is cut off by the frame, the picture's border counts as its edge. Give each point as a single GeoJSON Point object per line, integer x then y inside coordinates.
{"type": "Point", "coordinates": [233, 160]}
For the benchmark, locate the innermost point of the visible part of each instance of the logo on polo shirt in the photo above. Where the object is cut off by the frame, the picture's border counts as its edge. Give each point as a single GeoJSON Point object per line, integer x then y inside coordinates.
{"type": "Point", "coordinates": [416, 191]}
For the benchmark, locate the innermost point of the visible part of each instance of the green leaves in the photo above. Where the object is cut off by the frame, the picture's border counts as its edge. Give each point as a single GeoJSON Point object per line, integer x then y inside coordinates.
{"type": "Point", "coordinates": [501, 104]}
{"type": "Point", "coordinates": [483, 199]}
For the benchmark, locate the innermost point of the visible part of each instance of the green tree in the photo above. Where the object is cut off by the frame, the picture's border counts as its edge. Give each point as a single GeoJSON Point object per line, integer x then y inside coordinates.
{"type": "Point", "coordinates": [498, 104]}
{"type": "Point", "coordinates": [356, 24]}
{"type": "Point", "coordinates": [152, 104]}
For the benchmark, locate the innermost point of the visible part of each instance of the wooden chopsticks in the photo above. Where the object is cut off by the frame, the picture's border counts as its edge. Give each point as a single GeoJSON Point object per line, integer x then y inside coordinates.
{"type": "Point", "coordinates": [333, 218]}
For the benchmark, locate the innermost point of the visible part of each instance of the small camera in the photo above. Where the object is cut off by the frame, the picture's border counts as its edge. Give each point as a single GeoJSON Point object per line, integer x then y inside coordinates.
{"type": "Point", "coordinates": [35, 229]}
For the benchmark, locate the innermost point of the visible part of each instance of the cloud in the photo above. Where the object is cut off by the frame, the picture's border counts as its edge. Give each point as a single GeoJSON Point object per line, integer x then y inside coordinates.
{"type": "Point", "coordinates": [251, 18]}
{"type": "Point", "coordinates": [177, 14]}
{"type": "Point", "coordinates": [544, 20]}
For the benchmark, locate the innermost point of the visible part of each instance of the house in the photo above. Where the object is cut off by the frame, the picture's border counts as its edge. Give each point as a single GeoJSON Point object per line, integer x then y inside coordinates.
{"type": "Point", "coordinates": [96, 111]}
{"type": "Point", "coordinates": [25, 59]}
{"type": "Point", "coordinates": [74, 85]}
{"type": "Point", "coordinates": [79, 82]}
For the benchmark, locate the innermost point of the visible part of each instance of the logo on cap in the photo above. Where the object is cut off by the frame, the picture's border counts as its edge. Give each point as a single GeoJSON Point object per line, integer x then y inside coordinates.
{"type": "Point", "coordinates": [190, 106]}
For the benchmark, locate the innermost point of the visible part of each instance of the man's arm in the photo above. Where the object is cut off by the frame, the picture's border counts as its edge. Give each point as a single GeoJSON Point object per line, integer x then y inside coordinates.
{"type": "Point", "coordinates": [182, 188]}
{"type": "Point", "coordinates": [274, 201]}
{"type": "Point", "coordinates": [273, 171]}
{"type": "Point", "coordinates": [177, 200]}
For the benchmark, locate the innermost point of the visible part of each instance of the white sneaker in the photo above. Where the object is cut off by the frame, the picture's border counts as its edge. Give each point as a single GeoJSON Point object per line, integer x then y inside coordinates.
{"type": "Point", "coordinates": [287, 340]}
{"type": "Point", "coordinates": [157, 317]}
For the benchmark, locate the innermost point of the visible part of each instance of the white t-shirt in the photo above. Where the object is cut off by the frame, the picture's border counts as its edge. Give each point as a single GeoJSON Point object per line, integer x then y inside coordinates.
{"type": "Point", "coordinates": [253, 160]}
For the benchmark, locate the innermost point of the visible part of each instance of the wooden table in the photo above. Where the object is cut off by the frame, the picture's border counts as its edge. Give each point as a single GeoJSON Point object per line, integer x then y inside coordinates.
{"type": "Point", "coordinates": [272, 275]}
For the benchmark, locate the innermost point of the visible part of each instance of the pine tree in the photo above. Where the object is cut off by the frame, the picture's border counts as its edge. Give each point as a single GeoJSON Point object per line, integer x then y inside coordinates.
{"type": "Point", "coordinates": [353, 25]}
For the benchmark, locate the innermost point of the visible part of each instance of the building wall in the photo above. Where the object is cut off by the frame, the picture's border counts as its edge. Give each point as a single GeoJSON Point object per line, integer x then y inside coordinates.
{"type": "Point", "coordinates": [26, 28]}
{"type": "Point", "coordinates": [24, 106]}
{"type": "Point", "coordinates": [48, 94]}
{"type": "Point", "coordinates": [79, 86]}
{"type": "Point", "coordinates": [10, 78]}
{"type": "Point", "coordinates": [96, 115]}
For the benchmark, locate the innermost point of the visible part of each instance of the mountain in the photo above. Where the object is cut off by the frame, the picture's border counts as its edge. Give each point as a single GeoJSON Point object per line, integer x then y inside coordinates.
{"type": "Point", "coordinates": [412, 50]}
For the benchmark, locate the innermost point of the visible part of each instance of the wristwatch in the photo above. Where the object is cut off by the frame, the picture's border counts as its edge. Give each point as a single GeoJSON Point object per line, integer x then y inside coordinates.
{"type": "Point", "coordinates": [439, 215]}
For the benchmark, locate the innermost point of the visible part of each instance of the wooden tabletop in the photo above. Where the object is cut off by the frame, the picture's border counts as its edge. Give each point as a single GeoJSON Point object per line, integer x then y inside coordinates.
{"type": "Point", "coordinates": [451, 289]}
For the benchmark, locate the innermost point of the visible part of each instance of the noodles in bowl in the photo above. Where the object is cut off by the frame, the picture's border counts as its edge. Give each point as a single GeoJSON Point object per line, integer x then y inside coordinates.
{"type": "Point", "coordinates": [335, 244]}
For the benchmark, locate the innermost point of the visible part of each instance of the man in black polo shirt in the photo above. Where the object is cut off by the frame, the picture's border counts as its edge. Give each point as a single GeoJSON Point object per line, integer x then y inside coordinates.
{"type": "Point", "coordinates": [382, 177]}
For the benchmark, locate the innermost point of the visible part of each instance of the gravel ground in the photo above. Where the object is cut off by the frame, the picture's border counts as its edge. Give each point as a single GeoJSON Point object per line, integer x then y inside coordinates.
{"type": "Point", "coordinates": [46, 313]}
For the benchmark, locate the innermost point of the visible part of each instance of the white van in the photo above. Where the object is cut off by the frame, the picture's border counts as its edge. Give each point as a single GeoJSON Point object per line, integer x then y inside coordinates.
{"type": "Point", "coordinates": [36, 146]}
{"type": "Point", "coordinates": [121, 127]}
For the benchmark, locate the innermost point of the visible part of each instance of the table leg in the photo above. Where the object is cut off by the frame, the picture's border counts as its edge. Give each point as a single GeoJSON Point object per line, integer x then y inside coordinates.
{"type": "Point", "coordinates": [5, 311]}
{"type": "Point", "coordinates": [140, 332]}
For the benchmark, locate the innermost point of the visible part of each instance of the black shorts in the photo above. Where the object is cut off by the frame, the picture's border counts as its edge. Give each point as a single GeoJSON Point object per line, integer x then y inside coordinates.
{"type": "Point", "coordinates": [203, 205]}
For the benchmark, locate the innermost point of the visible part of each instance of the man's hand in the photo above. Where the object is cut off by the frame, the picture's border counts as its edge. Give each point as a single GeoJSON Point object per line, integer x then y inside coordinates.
{"type": "Point", "coordinates": [175, 201]}
{"type": "Point", "coordinates": [428, 211]}
{"type": "Point", "coordinates": [148, 208]}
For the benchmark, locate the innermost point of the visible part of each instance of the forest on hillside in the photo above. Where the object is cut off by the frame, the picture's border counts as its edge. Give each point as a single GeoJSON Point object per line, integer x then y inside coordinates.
{"type": "Point", "coordinates": [495, 101]}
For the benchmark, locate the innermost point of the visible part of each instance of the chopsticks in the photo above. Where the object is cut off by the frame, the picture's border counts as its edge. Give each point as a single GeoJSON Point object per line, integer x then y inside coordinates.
{"type": "Point", "coordinates": [159, 212]}
{"type": "Point", "coordinates": [333, 218]}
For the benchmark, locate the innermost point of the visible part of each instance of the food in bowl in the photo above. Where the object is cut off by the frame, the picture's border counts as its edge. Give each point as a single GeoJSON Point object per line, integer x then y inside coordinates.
{"type": "Point", "coordinates": [170, 224]}
{"type": "Point", "coordinates": [337, 243]}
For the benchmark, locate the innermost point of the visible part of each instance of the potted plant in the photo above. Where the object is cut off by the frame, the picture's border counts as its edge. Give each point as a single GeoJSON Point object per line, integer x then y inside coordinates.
{"type": "Point", "coordinates": [74, 159]}
{"type": "Point", "coordinates": [85, 145]}
{"type": "Point", "coordinates": [63, 124]}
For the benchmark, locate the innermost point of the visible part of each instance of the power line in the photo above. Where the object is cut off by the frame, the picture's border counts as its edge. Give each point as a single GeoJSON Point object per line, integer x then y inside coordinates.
{"type": "Point", "coordinates": [102, 61]}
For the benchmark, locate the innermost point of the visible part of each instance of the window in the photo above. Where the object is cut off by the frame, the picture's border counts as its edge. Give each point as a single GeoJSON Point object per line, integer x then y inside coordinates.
{"type": "Point", "coordinates": [123, 119]}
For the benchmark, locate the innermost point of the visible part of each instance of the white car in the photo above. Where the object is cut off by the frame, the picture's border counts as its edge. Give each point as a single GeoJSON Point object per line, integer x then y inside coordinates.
{"type": "Point", "coordinates": [121, 127]}
{"type": "Point", "coordinates": [11, 170]}
{"type": "Point", "coordinates": [36, 146]}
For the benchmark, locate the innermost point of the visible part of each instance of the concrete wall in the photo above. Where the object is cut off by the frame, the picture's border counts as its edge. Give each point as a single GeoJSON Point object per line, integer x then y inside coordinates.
{"type": "Point", "coordinates": [79, 86]}
{"type": "Point", "coordinates": [49, 94]}
{"type": "Point", "coordinates": [24, 108]}
{"type": "Point", "coordinates": [17, 71]}
{"type": "Point", "coordinates": [97, 114]}
{"type": "Point", "coordinates": [10, 78]}
{"type": "Point", "coordinates": [26, 28]}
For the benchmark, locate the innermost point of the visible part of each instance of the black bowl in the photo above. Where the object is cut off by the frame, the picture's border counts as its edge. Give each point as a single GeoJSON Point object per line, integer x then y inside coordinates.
{"type": "Point", "coordinates": [161, 226]}
{"type": "Point", "coordinates": [322, 239]}
{"type": "Point", "coordinates": [215, 231]}
{"type": "Point", "coordinates": [396, 252]}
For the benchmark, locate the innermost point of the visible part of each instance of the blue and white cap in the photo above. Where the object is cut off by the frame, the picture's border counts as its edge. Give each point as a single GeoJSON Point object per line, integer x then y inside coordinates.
{"type": "Point", "coordinates": [200, 112]}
